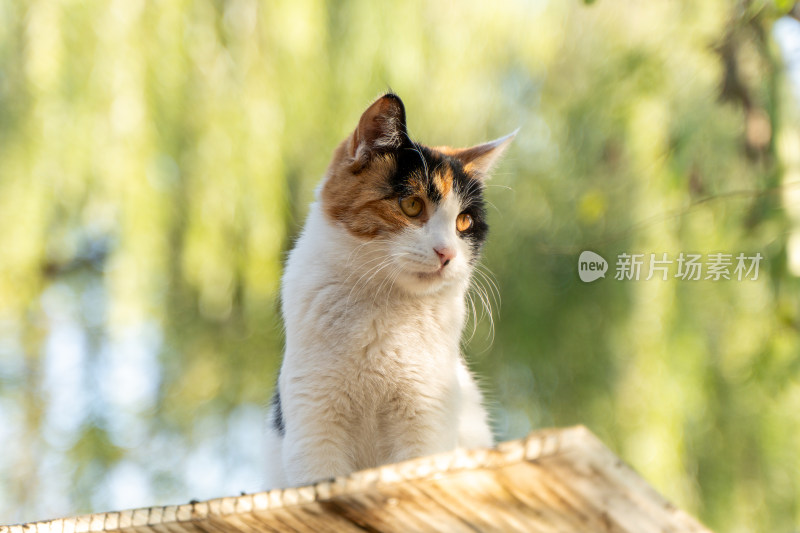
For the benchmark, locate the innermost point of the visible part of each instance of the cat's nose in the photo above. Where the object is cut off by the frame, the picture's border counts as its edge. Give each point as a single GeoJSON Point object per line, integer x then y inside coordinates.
{"type": "Point", "coordinates": [445, 254]}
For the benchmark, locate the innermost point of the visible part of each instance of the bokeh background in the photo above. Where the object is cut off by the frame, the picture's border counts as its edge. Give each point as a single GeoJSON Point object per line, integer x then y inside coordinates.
{"type": "Point", "coordinates": [157, 158]}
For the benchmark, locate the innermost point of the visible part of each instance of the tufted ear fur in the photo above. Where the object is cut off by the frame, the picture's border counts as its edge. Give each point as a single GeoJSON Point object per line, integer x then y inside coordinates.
{"type": "Point", "coordinates": [382, 128]}
{"type": "Point", "coordinates": [480, 159]}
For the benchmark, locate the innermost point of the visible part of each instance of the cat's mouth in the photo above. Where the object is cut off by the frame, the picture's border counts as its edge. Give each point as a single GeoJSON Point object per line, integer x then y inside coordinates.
{"type": "Point", "coordinates": [436, 274]}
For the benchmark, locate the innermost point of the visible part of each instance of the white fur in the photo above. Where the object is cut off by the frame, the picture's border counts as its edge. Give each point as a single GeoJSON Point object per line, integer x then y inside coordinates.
{"type": "Point", "coordinates": [372, 371]}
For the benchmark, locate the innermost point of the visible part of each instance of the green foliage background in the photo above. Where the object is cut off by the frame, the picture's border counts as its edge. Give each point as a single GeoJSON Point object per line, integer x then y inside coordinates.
{"type": "Point", "coordinates": [157, 158]}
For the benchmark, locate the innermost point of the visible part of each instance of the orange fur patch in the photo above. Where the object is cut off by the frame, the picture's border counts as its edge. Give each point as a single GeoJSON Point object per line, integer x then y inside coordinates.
{"type": "Point", "coordinates": [443, 180]}
{"type": "Point", "coordinates": [355, 195]}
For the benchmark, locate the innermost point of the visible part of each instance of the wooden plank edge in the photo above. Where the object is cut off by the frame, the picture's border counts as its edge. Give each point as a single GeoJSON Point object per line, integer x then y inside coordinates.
{"type": "Point", "coordinates": [536, 446]}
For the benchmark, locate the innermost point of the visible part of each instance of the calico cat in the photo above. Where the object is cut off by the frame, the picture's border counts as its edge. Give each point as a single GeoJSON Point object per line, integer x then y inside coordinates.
{"type": "Point", "coordinates": [373, 300]}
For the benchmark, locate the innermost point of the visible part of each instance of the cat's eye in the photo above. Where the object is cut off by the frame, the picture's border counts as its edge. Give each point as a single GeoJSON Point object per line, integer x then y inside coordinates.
{"type": "Point", "coordinates": [411, 205]}
{"type": "Point", "coordinates": [463, 222]}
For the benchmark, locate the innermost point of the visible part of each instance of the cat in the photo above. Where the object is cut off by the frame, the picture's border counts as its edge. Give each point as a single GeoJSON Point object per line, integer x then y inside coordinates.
{"type": "Point", "coordinates": [373, 301]}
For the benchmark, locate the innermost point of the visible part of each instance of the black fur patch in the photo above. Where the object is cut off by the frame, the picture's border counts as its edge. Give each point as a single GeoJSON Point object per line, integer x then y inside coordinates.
{"type": "Point", "coordinates": [277, 416]}
{"type": "Point", "coordinates": [412, 161]}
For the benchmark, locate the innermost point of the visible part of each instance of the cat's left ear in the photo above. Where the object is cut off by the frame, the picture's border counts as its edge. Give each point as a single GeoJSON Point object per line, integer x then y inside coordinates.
{"type": "Point", "coordinates": [382, 128]}
{"type": "Point", "coordinates": [481, 159]}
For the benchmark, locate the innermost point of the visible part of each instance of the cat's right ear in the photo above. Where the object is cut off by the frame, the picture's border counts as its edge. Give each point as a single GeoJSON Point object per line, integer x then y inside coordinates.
{"type": "Point", "coordinates": [482, 158]}
{"type": "Point", "coordinates": [382, 128]}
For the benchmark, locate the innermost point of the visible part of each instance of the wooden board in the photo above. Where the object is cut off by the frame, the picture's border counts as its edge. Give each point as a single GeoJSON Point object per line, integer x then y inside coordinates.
{"type": "Point", "coordinates": [559, 480]}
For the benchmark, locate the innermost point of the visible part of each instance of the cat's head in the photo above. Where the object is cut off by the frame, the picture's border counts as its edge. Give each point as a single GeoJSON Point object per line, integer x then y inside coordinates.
{"type": "Point", "coordinates": [419, 211]}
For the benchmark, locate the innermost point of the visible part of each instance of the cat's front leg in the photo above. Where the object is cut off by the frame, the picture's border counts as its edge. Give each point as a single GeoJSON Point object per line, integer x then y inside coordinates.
{"type": "Point", "coordinates": [423, 439]}
{"type": "Point", "coordinates": [418, 427]}
{"type": "Point", "coordinates": [316, 449]}
{"type": "Point", "coordinates": [473, 423]}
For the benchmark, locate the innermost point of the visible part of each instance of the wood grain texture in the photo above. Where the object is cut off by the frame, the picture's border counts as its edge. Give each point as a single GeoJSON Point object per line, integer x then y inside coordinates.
{"type": "Point", "coordinates": [558, 480]}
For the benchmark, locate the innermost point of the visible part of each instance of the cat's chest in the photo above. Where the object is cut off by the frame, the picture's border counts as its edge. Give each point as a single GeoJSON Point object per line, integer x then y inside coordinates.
{"type": "Point", "coordinates": [394, 354]}
{"type": "Point", "coordinates": [397, 363]}
{"type": "Point", "coordinates": [392, 344]}
{"type": "Point", "coordinates": [372, 343]}
{"type": "Point", "coordinates": [408, 331]}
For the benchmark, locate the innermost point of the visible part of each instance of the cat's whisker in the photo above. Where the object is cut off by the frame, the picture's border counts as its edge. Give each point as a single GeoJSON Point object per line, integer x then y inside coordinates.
{"type": "Point", "coordinates": [367, 253]}
{"type": "Point", "coordinates": [365, 272]}
{"type": "Point", "coordinates": [370, 275]}
{"type": "Point", "coordinates": [481, 287]}
{"type": "Point", "coordinates": [389, 260]}
{"type": "Point", "coordinates": [481, 291]}
{"type": "Point", "coordinates": [394, 276]}
{"type": "Point", "coordinates": [499, 186]}
{"type": "Point", "coordinates": [371, 272]}
{"type": "Point", "coordinates": [355, 252]}
{"type": "Point", "coordinates": [379, 289]}
{"type": "Point", "coordinates": [483, 295]}
{"type": "Point", "coordinates": [490, 278]}
{"type": "Point", "coordinates": [360, 248]}
{"type": "Point", "coordinates": [490, 314]}
{"type": "Point", "coordinates": [474, 317]}
{"type": "Point", "coordinates": [474, 314]}
{"type": "Point", "coordinates": [483, 312]}
{"type": "Point", "coordinates": [363, 264]}
{"type": "Point", "coordinates": [490, 204]}
{"type": "Point", "coordinates": [390, 278]}
{"type": "Point", "coordinates": [487, 304]}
